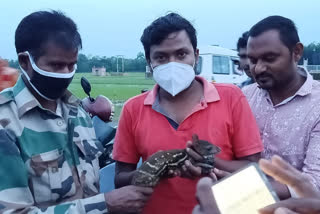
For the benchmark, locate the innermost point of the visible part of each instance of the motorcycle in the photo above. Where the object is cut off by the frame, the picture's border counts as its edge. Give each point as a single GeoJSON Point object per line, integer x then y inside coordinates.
{"type": "Point", "coordinates": [101, 110]}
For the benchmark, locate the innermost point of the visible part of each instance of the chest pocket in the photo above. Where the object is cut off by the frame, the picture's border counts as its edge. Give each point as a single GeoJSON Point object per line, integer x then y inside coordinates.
{"type": "Point", "coordinates": [51, 177]}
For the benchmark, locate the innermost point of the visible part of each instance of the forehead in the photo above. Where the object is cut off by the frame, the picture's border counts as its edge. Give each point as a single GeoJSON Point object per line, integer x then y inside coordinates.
{"type": "Point", "coordinates": [242, 51]}
{"type": "Point", "coordinates": [267, 42]}
{"type": "Point", "coordinates": [174, 41]}
{"type": "Point", "coordinates": [54, 52]}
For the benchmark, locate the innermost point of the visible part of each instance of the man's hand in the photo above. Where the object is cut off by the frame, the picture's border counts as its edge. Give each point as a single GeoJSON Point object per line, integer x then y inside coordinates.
{"type": "Point", "coordinates": [207, 203]}
{"type": "Point", "coordinates": [217, 174]}
{"type": "Point", "coordinates": [128, 199]}
{"type": "Point", "coordinates": [188, 169]}
{"type": "Point", "coordinates": [300, 183]}
{"type": "Point", "coordinates": [283, 210]}
{"type": "Point", "coordinates": [191, 171]}
{"type": "Point", "coordinates": [293, 206]}
{"type": "Point", "coordinates": [286, 174]}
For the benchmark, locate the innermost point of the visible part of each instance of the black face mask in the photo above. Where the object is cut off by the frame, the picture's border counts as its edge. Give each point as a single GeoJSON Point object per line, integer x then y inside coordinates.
{"type": "Point", "coordinates": [49, 88]}
{"type": "Point", "coordinates": [48, 85]}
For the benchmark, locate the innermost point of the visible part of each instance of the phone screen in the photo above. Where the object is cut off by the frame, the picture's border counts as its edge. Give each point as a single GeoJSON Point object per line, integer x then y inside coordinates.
{"type": "Point", "coordinates": [245, 191]}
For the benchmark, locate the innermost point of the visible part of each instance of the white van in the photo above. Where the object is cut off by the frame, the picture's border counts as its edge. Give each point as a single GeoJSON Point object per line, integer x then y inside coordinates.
{"type": "Point", "coordinates": [220, 65]}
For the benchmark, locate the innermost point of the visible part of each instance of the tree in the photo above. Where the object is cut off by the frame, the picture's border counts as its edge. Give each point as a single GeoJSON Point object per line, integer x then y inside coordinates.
{"type": "Point", "coordinates": [141, 62]}
{"type": "Point", "coordinates": [312, 53]}
{"type": "Point", "coordinates": [87, 62]}
{"type": "Point", "coordinates": [83, 64]}
{"type": "Point", "coordinates": [14, 64]}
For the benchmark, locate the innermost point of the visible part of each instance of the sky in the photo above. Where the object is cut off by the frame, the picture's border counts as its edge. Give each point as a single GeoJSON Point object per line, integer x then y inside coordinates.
{"type": "Point", "coordinates": [114, 27]}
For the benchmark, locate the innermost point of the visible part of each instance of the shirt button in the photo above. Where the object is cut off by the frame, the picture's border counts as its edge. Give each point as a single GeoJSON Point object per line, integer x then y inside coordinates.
{"type": "Point", "coordinates": [60, 123]}
{"type": "Point", "coordinates": [54, 169]}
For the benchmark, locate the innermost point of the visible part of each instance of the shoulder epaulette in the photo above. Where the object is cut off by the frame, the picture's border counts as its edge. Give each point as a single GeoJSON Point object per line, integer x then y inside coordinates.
{"type": "Point", "coordinates": [6, 96]}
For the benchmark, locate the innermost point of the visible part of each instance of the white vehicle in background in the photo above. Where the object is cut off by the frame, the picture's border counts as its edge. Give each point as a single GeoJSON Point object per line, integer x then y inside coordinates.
{"type": "Point", "coordinates": [220, 65]}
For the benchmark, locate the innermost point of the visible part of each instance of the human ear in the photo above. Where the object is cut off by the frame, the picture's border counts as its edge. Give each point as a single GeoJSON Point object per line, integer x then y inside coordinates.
{"type": "Point", "coordinates": [196, 53]}
{"type": "Point", "coordinates": [297, 52]}
{"type": "Point", "coordinates": [24, 61]}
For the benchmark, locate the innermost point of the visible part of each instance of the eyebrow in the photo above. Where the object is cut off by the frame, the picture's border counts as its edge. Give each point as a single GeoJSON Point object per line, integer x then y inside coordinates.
{"type": "Point", "coordinates": [174, 51]}
{"type": "Point", "coordinates": [62, 62]}
{"type": "Point", "coordinates": [264, 54]}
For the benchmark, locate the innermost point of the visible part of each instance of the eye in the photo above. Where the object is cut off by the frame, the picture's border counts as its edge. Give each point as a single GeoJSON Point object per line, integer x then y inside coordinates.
{"type": "Point", "coordinates": [182, 54]}
{"type": "Point", "coordinates": [252, 60]}
{"type": "Point", "coordinates": [242, 56]}
{"type": "Point", "coordinates": [57, 66]}
{"type": "Point", "coordinates": [160, 58]}
{"type": "Point", "coordinates": [270, 58]}
{"type": "Point", "coordinates": [72, 66]}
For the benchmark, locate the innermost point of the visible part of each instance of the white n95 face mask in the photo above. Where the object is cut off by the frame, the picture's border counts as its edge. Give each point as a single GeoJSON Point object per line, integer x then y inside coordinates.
{"type": "Point", "coordinates": [173, 77]}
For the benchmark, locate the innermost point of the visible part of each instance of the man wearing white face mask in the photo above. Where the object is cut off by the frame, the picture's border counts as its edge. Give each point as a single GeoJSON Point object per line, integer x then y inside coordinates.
{"type": "Point", "coordinates": [48, 148]}
{"type": "Point", "coordinates": [180, 105]}
{"type": "Point", "coordinates": [173, 77]}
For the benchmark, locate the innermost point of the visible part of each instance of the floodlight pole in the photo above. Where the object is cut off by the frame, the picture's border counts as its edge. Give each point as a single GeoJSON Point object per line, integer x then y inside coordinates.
{"type": "Point", "coordinates": [120, 56]}
{"type": "Point", "coordinates": [117, 65]}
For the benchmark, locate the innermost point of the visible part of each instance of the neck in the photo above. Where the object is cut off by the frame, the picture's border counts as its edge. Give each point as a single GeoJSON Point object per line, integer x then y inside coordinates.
{"type": "Point", "coordinates": [288, 89]}
{"type": "Point", "coordinates": [194, 88]}
{"type": "Point", "coordinates": [47, 104]}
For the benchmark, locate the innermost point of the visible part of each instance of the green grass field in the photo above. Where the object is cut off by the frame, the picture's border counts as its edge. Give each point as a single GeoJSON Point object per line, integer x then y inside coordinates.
{"type": "Point", "coordinates": [117, 88]}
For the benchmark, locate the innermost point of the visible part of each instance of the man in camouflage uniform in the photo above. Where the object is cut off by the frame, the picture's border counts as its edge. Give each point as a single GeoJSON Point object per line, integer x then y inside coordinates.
{"type": "Point", "coordinates": [48, 148]}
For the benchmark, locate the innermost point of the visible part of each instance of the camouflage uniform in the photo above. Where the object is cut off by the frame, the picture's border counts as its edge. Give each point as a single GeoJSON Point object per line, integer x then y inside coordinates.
{"type": "Point", "coordinates": [48, 161]}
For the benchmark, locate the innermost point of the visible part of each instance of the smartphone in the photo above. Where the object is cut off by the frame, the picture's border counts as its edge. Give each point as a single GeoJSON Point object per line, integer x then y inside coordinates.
{"type": "Point", "coordinates": [244, 192]}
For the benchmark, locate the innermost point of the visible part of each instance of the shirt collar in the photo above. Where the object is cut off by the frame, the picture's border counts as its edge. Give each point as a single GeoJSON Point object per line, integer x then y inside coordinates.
{"type": "Point", "coordinates": [306, 88]}
{"type": "Point", "coordinates": [209, 91]}
{"type": "Point", "coordinates": [26, 101]}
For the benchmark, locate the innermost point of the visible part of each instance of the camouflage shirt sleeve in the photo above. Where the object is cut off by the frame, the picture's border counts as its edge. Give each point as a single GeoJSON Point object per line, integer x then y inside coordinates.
{"type": "Point", "coordinates": [15, 194]}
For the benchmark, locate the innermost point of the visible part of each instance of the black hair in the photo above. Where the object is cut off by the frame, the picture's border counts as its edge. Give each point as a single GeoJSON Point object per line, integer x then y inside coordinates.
{"type": "Point", "coordinates": [243, 40]}
{"type": "Point", "coordinates": [286, 28]}
{"type": "Point", "coordinates": [36, 29]}
{"type": "Point", "coordinates": [159, 30]}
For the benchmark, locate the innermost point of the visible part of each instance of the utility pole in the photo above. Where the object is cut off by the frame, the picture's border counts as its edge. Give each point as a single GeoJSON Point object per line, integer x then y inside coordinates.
{"type": "Point", "coordinates": [122, 62]}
